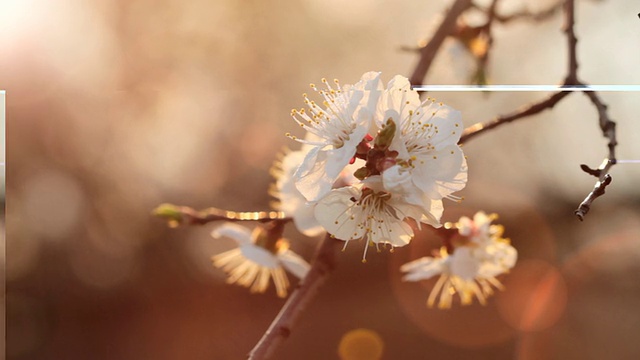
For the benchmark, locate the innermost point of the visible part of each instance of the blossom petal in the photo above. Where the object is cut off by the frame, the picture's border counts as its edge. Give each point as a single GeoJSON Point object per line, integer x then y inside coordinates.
{"type": "Point", "coordinates": [321, 167]}
{"type": "Point", "coordinates": [395, 232]}
{"type": "Point", "coordinates": [259, 256]}
{"type": "Point", "coordinates": [305, 221]}
{"type": "Point", "coordinates": [501, 258]}
{"type": "Point", "coordinates": [423, 268]}
{"type": "Point", "coordinates": [236, 232]}
{"type": "Point", "coordinates": [334, 212]}
{"type": "Point", "coordinates": [464, 263]}
{"type": "Point", "coordinates": [294, 263]}
{"type": "Point", "coordinates": [448, 121]}
{"type": "Point", "coordinates": [443, 174]}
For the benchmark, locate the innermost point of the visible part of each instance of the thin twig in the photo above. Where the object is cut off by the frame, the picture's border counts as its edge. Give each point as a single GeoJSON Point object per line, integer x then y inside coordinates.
{"type": "Point", "coordinates": [543, 15]}
{"type": "Point", "coordinates": [532, 109]}
{"type": "Point", "coordinates": [608, 128]}
{"type": "Point", "coordinates": [321, 266]}
{"type": "Point", "coordinates": [572, 43]}
{"type": "Point", "coordinates": [184, 215]}
{"type": "Point", "coordinates": [598, 191]}
{"type": "Point", "coordinates": [551, 101]}
{"type": "Point", "coordinates": [490, 18]}
{"type": "Point", "coordinates": [428, 53]}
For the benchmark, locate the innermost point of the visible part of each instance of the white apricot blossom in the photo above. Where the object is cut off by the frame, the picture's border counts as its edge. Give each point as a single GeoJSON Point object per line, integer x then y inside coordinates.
{"type": "Point", "coordinates": [424, 158]}
{"type": "Point", "coordinates": [334, 131]}
{"type": "Point", "coordinates": [255, 262]}
{"type": "Point", "coordinates": [366, 211]}
{"type": "Point", "coordinates": [470, 270]}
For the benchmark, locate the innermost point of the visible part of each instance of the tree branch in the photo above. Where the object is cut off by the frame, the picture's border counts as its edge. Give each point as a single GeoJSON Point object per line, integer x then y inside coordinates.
{"type": "Point", "coordinates": [184, 215]}
{"type": "Point", "coordinates": [598, 191]}
{"type": "Point", "coordinates": [608, 128]}
{"type": "Point", "coordinates": [572, 42]}
{"type": "Point", "coordinates": [532, 109]}
{"type": "Point", "coordinates": [528, 15]}
{"type": "Point", "coordinates": [322, 266]}
{"type": "Point", "coordinates": [428, 53]}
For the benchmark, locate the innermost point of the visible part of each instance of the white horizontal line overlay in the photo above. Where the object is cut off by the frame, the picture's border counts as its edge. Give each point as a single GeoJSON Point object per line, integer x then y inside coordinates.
{"type": "Point", "coordinates": [545, 88]}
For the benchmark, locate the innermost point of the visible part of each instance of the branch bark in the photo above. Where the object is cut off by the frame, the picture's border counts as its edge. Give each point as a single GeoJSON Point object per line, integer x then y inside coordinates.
{"type": "Point", "coordinates": [428, 53]}
{"type": "Point", "coordinates": [529, 110]}
{"type": "Point", "coordinates": [184, 215]}
{"type": "Point", "coordinates": [322, 266]}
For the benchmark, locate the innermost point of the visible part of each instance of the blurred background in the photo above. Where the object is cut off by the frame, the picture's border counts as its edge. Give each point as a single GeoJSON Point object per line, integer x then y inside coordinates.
{"type": "Point", "coordinates": [114, 107]}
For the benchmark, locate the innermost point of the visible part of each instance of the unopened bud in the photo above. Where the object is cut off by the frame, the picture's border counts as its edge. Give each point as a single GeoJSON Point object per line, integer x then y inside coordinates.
{"type": "Point", "coordinates": [385, 136]}
{"type": "Point", "coordinates": [170, 212]}
{"type": "Point", "coordinates": [362, 173]}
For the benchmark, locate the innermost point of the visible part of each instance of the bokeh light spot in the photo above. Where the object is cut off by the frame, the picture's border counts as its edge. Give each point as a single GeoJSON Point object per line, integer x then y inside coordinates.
{"type": "Point", "coordinates": [54, 202]}
{"type": "Point", "coordinates": [361, 344]}
{"type": "Point", "coordinates": [536, 296]}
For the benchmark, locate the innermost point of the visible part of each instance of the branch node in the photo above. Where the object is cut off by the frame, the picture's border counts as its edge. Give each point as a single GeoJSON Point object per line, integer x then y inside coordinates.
{"type": "Point", "coordinates": [598, 191]}
{"type": "Point", "coordinates": [590, 171]}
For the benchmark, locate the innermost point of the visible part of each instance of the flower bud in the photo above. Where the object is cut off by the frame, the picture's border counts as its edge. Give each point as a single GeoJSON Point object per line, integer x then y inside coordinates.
{"type": "Point", "coordinates": [385, 136]}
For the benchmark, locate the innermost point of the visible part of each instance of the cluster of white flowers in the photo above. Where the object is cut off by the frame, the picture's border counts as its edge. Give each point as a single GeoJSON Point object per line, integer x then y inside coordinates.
{"type": "Point", "coordinates": [374, 160]}
{"type": "Point", "coordinates": [479, 254]}
{"type": "Point", "coordinates": [400, 155]}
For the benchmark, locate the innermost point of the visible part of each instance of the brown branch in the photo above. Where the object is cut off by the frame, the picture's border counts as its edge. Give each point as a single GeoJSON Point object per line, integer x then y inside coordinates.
{"type": "Point", "coordinates": [532, 109]}
{"type": "Point", "coordinates": [608, 128]}
{"type": "Point", "coordinates": [322, 266]}
{"type": "Point", "coordinates": [543, 15]}
{"type": "Point", "coordinates": [572, 41]}
{"type": "Point", "coordinates": [598, 191]}
{"type": "Point", "coordinates": [184, 215]}
{"type": "Point", "coordinates": [481, 73]}
{"type": "Point", "coordinates": [428, 53]}
{"type": "Point", "coordinates": [551, 101]}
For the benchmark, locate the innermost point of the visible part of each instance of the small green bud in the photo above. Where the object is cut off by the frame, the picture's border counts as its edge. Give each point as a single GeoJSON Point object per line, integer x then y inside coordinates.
{"type": "Point", "coordinates": [385, 136]}
{"type": "Point", "coordinates": [170, 212]}
{"type": "Point", "coordinates": [361, 173]}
